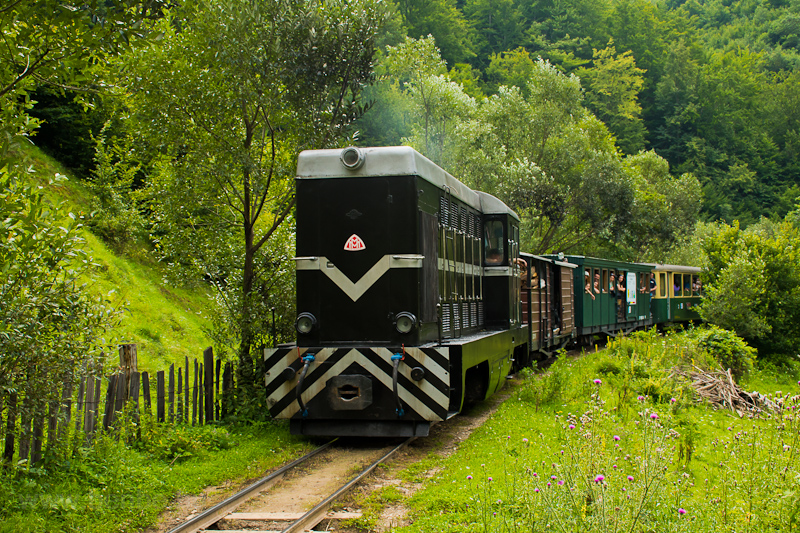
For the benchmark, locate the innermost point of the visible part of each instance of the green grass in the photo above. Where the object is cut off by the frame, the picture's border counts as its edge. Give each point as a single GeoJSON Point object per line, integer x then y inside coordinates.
{"type": "Point", "coordinates": [728, 473]}
{"type": "Point", "coordinates": [167, 323]}
{"type": "Point", "coordinates": [113, 487]}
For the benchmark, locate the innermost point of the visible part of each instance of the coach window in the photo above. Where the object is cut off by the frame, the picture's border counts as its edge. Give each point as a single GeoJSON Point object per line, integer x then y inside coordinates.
{"type": "Point", "coordinates": [494, 249]}
{"type": "Point", "coordinates": [662, 285]}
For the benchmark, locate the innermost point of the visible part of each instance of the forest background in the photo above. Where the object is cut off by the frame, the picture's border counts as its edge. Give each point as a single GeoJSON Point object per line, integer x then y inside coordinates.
{"type": "Point", "coordinates": [629, 129]}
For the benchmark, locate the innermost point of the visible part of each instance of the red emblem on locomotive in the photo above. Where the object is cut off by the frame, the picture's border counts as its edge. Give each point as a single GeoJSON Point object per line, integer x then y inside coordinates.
{"type": "Point", "coordinates": [354, 244]}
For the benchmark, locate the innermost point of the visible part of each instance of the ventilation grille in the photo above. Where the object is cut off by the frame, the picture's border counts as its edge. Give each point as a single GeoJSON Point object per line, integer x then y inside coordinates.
{"type": "Point", "coordinates": [446, 332]}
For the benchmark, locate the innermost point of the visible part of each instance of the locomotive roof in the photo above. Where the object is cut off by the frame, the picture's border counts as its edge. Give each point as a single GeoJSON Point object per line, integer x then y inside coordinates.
{"type": "Point", "coordinates": [395, 161]}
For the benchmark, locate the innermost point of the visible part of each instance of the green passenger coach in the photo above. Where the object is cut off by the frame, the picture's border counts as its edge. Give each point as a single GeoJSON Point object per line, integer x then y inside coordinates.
{"type": "Point", "coordinates": [677, 293]}
{"type": "Point", "coordinates": [611, 296]}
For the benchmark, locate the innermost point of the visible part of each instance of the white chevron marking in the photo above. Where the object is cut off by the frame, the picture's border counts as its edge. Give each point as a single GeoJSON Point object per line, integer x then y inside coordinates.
{"type": "Point", "coordinates": [356, 290]}
{"type": "Point", "coordinates": [354, 356]}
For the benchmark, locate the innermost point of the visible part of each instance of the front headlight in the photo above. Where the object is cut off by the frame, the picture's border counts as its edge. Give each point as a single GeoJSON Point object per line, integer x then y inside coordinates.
{"type": "Point", "coordinates": [305, 323]}
{"type": "Point", "coordinates": [404, 322]}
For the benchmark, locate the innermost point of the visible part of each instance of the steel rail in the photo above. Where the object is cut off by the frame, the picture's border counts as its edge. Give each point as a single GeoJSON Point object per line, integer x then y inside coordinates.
{"type": "Point", "coordinates": [219, 511]}
{"type": "Point", "coordinates": [317, 514]}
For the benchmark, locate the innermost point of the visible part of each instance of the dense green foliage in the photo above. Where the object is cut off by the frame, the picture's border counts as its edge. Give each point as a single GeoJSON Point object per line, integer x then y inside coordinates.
{"type": "Point", "coordinates": [51, 329]}
{"type": "Point", "coordinates": [752, 282]}
{"type": "Point", "coordinates": [618, 441]}
{"type": "Point", "coordinates": [712, 86]}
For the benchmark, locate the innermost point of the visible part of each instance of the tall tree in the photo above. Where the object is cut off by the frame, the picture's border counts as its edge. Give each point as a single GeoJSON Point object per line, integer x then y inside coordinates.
{"type": "Point", "coordinates": [444, 21]}
{"type": "Point", "coordinates": [613, 84]}
{"type": "Point", "coordinates": [228, 97]}
{"type": "Point", "coordinates": [51, 43]}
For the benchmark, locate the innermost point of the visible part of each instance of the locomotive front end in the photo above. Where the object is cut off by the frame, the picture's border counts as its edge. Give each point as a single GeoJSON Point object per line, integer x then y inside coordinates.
{"type": "Point", "coordinates": [364, 362]}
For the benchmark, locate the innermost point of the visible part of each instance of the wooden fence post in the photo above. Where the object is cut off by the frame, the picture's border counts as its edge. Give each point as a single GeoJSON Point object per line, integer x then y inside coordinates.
{"type": "Point", "coordinates": [227, 390]}
{"type": "Point", "coordinates": [108, 415]}
{"type": "Point", "coordinates": [79, 413]}
{"type": "Point", "coordinates": [186, 390]}
{"type": "Point", "coordinates": [208, 381]}
{"type": "Point", "coordinates": [134, 396]}
{"type": "Point", "coordinates": [121, 393]}
{"type": "Point", "coordinates": [217, 399]}
{"type": "Point", "coordinates": [160, 395]}
{"type": "Point", "coordinates": [25, 430]}
{"type": "Point", "coordinates": [172, 394]}
{"type": "Point", "coordinates": [179, 396]}
{"type": "Point", "coordinates": [11, 424]}
{"type": "Point", "coordinates": [146, 392]}
{"type": "Point", "coordinates": [66, 410]}
{"type": "Point", "coordinates": [200, 398]}
{"type": "Point", "coordinates": [38, 432]}
{"type": "Point", "coordinates": [194, 395]}
{"type": "Point", "coordinates": [129, 363]}
{"type": "Point", "coordinates": [91, 407]}
{"type": "Point", "coordinates": [52, 421]}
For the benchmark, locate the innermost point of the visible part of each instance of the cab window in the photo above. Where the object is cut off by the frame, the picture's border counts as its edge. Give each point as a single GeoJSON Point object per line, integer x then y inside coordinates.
{"type": "Point", "coordinates": [494, 251]}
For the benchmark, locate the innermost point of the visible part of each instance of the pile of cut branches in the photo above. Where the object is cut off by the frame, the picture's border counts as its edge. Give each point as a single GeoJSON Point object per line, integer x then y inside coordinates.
{"type": "Point", "coordinates": [719, 389]}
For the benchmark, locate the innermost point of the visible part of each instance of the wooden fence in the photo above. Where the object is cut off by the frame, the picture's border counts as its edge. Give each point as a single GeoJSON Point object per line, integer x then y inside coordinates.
{"type": "Point", "coordinates": [194, 394]}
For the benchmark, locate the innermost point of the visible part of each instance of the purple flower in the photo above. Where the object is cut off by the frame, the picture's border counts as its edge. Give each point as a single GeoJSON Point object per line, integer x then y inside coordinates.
{"type": "Point", "coordinates": [599, 478]}
{"type": "Point", "coordinates": [640, 398]}
{"type": "Point", "coordinates": [615, 466]}
{"type": "Point", "coordinates": [616, 437]}
{"type": "Point", "coordinates": [572, 426]}
{"type": "Point", "coordinates": [561, 482]}
{"type": "Point", "coordinates": [654, 416]}
{"type": "Point", "coordinates": [548, 483]}
{"type": "Point", "coordinates": [494, 514]}
{"type": "Point", "coordinates": [490, 478]}
{"type": "Point", "coordinates": [535, 474]}
{"type": "Point", "coordinates": [598, 382]}
{"type": "Point", "coordinates": [525, 440]}
{"type": "Point", "coordinates": [630, 478]}
{"type": "Point", "coordinates": [469, 477]}
{"type": "Point", "coordinates": [536, 490]}
{"type": "Point", "coordinates": [553, 477]}
{"type": "Point", "coordinates": [681, 511]}
{"type": "Point", "coordinates": [672, 400]}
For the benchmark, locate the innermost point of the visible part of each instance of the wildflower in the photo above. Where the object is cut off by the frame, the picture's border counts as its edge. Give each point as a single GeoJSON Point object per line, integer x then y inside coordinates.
{"type": "Point", "coordinates": [681, 511]}
{"type": "Point", "coordinates": [494, 514]}
{"type": "Point", "coordinates": [654, 416]}
{"type": "Point", "coordinates": [490, 478]}
{"type": "Point", "coordinates": [600, 478]}
{"type": "Point", "coordinates": [630, 478]}
{"type": "Point", "coordinates": [536, 490]}
{"type": "Point", "coordinates": [548, 483]}
{"type": "Point", "coordinates": [535, 474]}
{"type": "Point", "coordinates": [640, 398]}
{"type": "Point", "coordinates": [672, 400]}
{"type": "Point", "coordinates": [469, 477]}
{"type": "Point", "coordinates": [730, 428]}
{"type": "Point", "coordinates": [598, 382]}
{"type": "Point", "coordinates": [553, 477]}
{"type": "Point", "coordinates": [561, 482]}
{"type": "Point", "coordinates": [615, 466]}
{"type": "Point", "coordinates": [616, 437]}
{"type": "Point", "coordinates": [525, 440]}
{"type": "Point", "coordinates": [572, 426]}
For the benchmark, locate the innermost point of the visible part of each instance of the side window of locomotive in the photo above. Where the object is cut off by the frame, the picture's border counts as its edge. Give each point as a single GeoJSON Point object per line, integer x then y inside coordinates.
{"type": "Point", "coordinates": [494, 251]}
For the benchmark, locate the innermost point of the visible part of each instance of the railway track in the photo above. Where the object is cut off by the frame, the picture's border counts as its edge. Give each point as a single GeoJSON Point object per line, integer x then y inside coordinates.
{"type": "Point", "coordinates": [259, 509]}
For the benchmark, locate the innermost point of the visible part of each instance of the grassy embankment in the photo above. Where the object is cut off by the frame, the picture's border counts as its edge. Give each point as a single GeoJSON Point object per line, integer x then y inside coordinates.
{"type": "Point", "coordinates": [167, 323]}
{"type": "Point", "coordinates": [114, 486]}
{"type": "Point", "coordinates": [615, 441]}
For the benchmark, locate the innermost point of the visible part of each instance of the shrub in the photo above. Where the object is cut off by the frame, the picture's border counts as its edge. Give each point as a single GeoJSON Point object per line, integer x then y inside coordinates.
{"type": "Point", "coordinates": [727, 348]}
